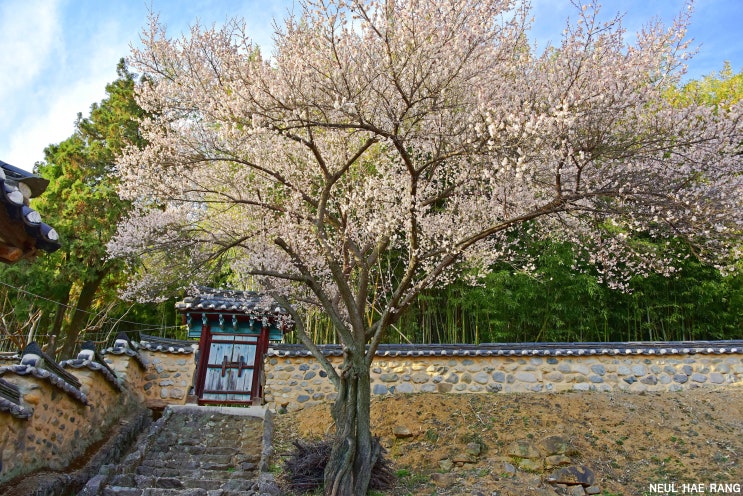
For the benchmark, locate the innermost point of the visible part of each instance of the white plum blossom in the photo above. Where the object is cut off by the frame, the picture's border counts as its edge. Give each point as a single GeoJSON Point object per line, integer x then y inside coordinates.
{"type": "Point", "coordinates": [386, 146]}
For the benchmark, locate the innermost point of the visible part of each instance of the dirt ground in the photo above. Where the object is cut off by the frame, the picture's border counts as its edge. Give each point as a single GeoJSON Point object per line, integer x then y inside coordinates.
{"type": "Point", "coordinates": [633, 442]}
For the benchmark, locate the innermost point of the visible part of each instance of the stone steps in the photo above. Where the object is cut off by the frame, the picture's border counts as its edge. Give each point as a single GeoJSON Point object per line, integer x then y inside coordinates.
{"type": "Point", "coordinates": [128, 491]}
{"type": "Point", "coordinates": [194, 451]}
{"type": "Point", "coordinates": [193, 479]}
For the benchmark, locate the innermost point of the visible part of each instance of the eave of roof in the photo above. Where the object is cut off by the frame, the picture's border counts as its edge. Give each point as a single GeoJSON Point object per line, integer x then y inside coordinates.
{"type": "Point", "coordinates": [37, 184]}
{"type": "Point", "coordinates": [22, 232]}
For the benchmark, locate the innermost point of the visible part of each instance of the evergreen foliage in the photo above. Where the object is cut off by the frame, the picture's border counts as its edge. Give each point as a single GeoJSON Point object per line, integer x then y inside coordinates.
{"type": "Point", "coordinates": [559, 304]}
{"type": "Point", "coordinates": [78, 285]}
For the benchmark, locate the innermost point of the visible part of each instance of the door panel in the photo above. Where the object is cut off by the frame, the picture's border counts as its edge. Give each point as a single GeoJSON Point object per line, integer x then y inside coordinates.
{"type": "Point", "coordinates": [230, 369]}
{"type": "Point", "coordinates": [231, 387]}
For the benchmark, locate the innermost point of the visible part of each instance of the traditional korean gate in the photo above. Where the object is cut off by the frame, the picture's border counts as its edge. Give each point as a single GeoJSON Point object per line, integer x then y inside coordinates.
{"type": "Point", "coordinates": [229, 369]}
{"type": "Point", "coordinates": [234, 329]}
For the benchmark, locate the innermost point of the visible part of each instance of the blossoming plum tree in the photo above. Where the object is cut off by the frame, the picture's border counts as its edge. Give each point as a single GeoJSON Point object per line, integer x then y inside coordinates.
{"type": "Point", "coordinates": [388, 145]}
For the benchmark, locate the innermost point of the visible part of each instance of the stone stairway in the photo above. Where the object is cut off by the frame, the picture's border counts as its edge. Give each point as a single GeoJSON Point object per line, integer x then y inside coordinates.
{"type": "Point", "coordinates": [194, 451]}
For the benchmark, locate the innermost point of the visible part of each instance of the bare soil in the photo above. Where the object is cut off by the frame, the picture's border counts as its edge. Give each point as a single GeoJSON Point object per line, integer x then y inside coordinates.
{"type": "Point", "coordinates": [629, 440]}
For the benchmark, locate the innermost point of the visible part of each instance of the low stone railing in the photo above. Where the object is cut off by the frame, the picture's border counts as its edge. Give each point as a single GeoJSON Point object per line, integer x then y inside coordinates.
{"type": "Point", "coordinates": [295, 380]}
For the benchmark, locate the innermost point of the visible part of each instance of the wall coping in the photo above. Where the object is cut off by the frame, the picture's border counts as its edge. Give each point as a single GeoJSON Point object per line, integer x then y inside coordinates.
{"type": "Point", "coordinates": [165, 345]}
{"type": "Point", "coordinates": [102, 369]}
{"type": "Point", "coordinates": [152, 343]}
{"type": "Point", "coordinates": [528, 349]}
{"type": "Point", "coordinates": [53, 378]}
{"type": "Point", "coordinates": [10, 400]}
{"type": "Point", "coordinates": [18, 411]}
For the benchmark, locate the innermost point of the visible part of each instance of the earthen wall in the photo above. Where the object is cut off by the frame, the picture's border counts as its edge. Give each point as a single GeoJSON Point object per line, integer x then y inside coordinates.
{"type": "Point", "coordinates": [166, 379]}
{"type": "Point", "coordinates": [61, 427]}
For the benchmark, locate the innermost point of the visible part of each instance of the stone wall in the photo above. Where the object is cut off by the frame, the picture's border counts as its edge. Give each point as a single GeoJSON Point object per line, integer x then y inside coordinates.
{"type": "Point", "coordinates": [164, 378]}
{"type": "Point", "coordinates": [294, 381]}
{"type": "Point", "coordinates": [56, 422]}
{"type": "Point", "coordinates": [62, 424]}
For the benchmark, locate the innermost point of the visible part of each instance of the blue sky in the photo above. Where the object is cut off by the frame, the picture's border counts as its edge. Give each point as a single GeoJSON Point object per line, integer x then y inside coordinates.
{"type": "Point", "coordinates": [56, 56]}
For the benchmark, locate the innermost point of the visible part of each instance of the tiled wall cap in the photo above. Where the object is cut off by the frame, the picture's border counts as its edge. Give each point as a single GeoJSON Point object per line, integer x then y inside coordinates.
{"type": "Point", "coordinates": [530, 349]}
{"type": "Point", "coordinates": [46, 375]}
{"type": "Point", "coordinates": [167, 349]}
{"type": "Point", "coordinates": [17, 411]}
{"type": "Point", "coordinates": [79, 363]}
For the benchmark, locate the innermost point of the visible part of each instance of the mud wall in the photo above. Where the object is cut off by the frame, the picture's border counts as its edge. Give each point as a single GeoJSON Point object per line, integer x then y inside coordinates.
{"type": "Point", "coordinates": [54, 424]}
{"type": "Point", "coordinates": [159, 379]}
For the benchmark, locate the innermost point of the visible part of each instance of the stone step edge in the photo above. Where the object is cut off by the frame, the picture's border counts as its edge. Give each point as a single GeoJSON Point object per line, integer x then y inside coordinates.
{"type": "Point", "coordinates": [126, 491]}
{"type": "Point", "coordinates": [214, 475]}
{"type": "Point", "coordinates": [265, 482]}
{"type": "Point", "coordinates": [193, 483]}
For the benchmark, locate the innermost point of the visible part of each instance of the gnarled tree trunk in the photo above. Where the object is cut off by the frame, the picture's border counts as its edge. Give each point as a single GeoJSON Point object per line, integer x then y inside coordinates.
{"type": "Point", "coordinates": [354, 451]}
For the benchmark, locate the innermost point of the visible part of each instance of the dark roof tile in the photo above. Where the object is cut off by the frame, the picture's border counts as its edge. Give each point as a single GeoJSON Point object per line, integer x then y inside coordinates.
{"type": "Point", "coordinates": [12, 179]}
{"type": "Point", "coordinates": [247, 302]}
{"type": "Point", "coordinates": [529, 349]}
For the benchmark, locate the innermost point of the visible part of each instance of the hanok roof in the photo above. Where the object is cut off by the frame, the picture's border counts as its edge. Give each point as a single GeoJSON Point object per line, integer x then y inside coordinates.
{"type": "Point", "coordinates": [247, 310]}
{"type": "Point", "coordinates": [22, 232]}
{"type": "Point", "coordinates": [224, 300]}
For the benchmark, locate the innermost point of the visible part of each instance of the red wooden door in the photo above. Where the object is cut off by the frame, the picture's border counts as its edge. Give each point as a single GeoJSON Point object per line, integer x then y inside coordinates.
{"type": "Point", "coordinates": [230, 368]}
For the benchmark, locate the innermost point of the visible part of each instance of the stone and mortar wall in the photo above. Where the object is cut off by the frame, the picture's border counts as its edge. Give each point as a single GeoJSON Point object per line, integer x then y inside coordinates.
{"type": "Point", "coordinates": [166, 380]}
{"type": "Point", "coordinates": [292, 383]}
{"type": "Point", "coordinates": [61, 427]}
{"type": "Point", "coordinates": [8, 360]}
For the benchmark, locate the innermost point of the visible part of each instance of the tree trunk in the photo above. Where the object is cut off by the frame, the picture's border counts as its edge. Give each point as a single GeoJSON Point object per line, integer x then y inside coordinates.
{"type": "Point", "coordinates": [354, 453]}
{"type": "Point", "coordinates": [56, 330]}
{"type": "Point", "coordinates": [79, 316]}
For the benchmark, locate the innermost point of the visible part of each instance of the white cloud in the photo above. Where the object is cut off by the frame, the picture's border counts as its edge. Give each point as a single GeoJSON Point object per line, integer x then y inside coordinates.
{"type": "Point", "coordinates": [29, 31]}
{"type": "Point", "coordinates": [62, 53]}
{"type": "Point", "coordinates": [64, 72]}
{"type": "Point", "coordinates": [30, 34]}
{"type": "Point", "coordinates": [54, 120]}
